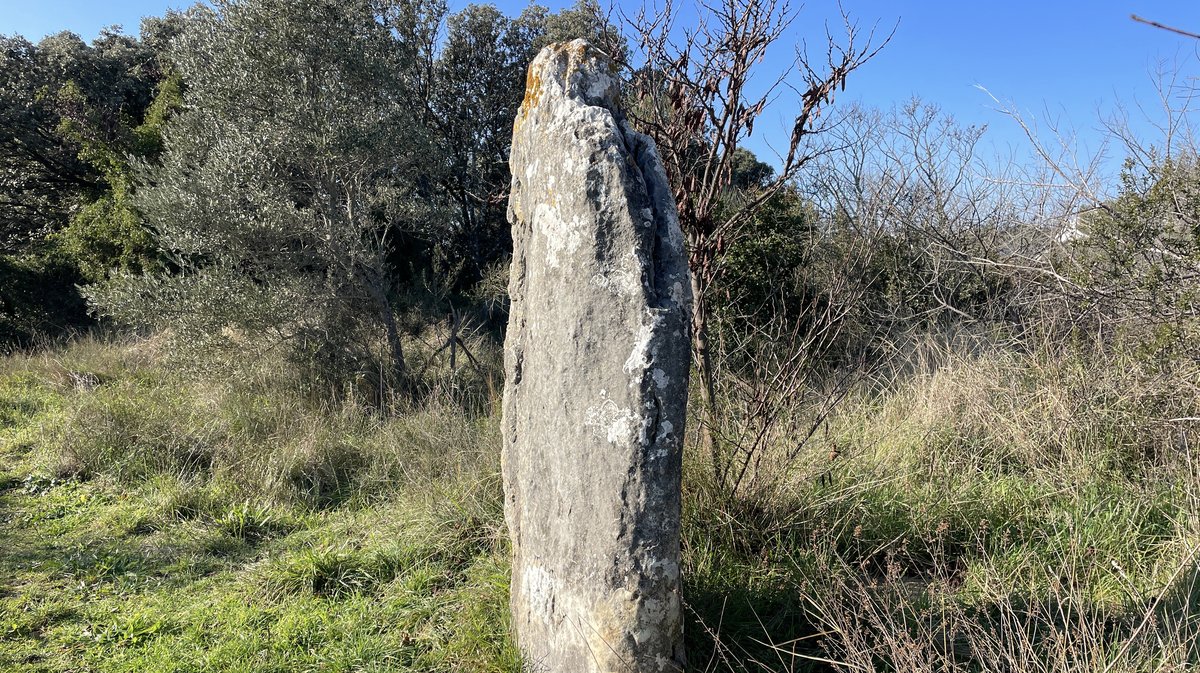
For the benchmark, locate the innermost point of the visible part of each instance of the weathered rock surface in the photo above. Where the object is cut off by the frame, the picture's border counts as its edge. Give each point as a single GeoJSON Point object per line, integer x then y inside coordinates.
{"type": "Point", "coordinates": [596, 359]}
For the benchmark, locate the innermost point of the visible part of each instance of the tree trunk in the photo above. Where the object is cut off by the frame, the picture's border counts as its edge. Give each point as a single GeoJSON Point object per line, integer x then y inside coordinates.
{"type": "Point", "coordinates": [704, 365]}
{"type": "Point", "coordinates": [397, 368]}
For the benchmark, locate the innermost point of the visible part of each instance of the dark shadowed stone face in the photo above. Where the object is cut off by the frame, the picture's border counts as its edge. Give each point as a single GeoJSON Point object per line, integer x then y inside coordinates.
{"type": "Point", "coordinates": [596, 360]}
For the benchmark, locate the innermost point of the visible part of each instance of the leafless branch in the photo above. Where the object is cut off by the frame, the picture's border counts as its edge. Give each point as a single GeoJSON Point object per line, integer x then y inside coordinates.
{"type": "Point", "coordinates": [1156, 24]}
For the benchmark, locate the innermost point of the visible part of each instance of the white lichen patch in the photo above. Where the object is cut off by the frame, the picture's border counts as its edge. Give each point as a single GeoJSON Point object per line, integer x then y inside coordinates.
{"type": "Point", "coordinates": [677, 295]}
{"type": "Point", "coordinates": [620, 282]}
{"type": "Point", "coordinates": [643, 345]}
{"type": "Point", "coordinates": [661, 380]}
{"type": "Point", "coordinates": [560, 237]}
{"type": "Point", "coordinates": [538, 588]}
{"type": "Point", "coordinates": [652, 620]}
{"type": "Point", "coordinates": [646, 429]}
{"type": "Point", "coordinates": [610, 421]}
{"type": "Point", "coordinates": [660, 567]}
{"type": "Point", "coordinates": [651, 623]}
{"type": "Point", "coordinates": [665, 428]}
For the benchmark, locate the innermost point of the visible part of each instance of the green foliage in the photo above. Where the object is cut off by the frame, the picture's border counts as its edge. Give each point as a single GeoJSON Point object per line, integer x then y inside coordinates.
{"type": "Point", "coordinates": [475, 83]}
{"type": "Point", "coordinates": [284, 177]}
{"type": "Point", "coordinates": [397, 142]}
{"type": "Point", "coordinates": [37, 297]}
{"type": "Point", "coordinates": [40, 175]}
{"type": "Point", "coordinates": [72, 116]}
{"type": "Point", "coordinates": [762, 267]}
{"type": "Point", "coordinates": [148, 136]}
{"type": "Point", "coordinates": [69, 110]}
{"type": "Point", "coordinates": [1135, 263]}
{"type": "Point", "coordinates": [587, 20]}
{"type": "Point", "coordinates": [748, 172]}
{"type": "Point", "coordinates": [108, 235]}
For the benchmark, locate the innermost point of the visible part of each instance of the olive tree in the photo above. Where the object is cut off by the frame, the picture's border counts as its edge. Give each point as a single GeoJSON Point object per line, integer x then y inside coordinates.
{"type": "Point", "coordinates": [284, 177]}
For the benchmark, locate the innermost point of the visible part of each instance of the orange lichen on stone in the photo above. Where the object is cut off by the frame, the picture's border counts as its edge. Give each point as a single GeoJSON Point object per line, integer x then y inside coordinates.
{"type": "Point", "coordinates": [533, 89]}
{"type": "Point", "coordinates": [576, 51]}
{"type": "Point", "coordinates": [578, 48]}
{"type": "Point", "coordinates": [533, 93]}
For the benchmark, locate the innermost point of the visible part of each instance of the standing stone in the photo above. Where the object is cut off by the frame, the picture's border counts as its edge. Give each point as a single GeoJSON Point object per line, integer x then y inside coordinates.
{"type": "Point", "coordinates": [596, 364]}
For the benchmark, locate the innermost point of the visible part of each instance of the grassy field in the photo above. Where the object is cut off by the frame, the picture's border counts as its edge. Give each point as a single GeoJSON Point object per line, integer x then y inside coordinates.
{"type": "Point", "coordinates": [974, 509]}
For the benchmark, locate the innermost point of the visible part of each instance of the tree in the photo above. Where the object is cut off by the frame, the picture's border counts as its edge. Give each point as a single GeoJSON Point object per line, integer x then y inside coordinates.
{"type": "Point", "coordinates": [585, 20]}
{"type": "Point", "coordinates": [40, 174]}
{"type": "Point", "coordinates": [473, 87]}
{"type": "Point", "coordinates": [70, 115]}
{"type": "Point", "coordinates": [105, 232]}
{"type": "Point", "coordinates": [1119, 259]}
{"type": "Point", "coordinates": [913, 182]}
{"type": "Point", "coordinates": [68, 110]}
{"type": "Point", "coordinates": [284, 177]}
{"type": "Point", "coordinates": [473, 82]}
{"type": "Point", "coordinates": [1135, 270]}
{"type": "Point", "coordinates": [695, 96]}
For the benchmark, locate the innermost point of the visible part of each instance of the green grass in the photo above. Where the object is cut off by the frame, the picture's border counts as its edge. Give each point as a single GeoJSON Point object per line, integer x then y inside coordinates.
{"type": "Point", "coordinates": [969, 501]}
{"type": "Point", "coordinates": [154, 523]}
{"type": "Point", "coordinates": [278, 549]}
{"type": "Point", "coordinates": [159, 579]}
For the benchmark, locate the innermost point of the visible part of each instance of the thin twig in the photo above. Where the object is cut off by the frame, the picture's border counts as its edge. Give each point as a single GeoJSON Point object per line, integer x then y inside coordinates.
{"type": "Point", "coordinates": [1156, 24]}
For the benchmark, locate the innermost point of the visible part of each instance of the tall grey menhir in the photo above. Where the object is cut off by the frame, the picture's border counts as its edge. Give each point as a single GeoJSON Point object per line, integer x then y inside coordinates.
{"type": "Point", "coordinates": [596, 359]}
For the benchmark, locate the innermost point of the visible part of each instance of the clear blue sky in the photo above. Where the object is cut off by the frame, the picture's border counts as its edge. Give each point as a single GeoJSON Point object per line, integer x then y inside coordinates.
{"type": "Point", "coordinates": [1069, 60]}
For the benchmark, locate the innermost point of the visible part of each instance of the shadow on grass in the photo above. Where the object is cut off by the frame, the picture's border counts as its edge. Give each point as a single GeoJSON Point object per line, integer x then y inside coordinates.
{"type": "Point", "coordinates": [748, 627]}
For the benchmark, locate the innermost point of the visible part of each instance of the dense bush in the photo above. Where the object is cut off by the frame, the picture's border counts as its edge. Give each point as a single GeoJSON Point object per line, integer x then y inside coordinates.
{"type": "Point", "coordinates": [1130, 268]}
{"type": "Point", "coordinates": [38, 296]}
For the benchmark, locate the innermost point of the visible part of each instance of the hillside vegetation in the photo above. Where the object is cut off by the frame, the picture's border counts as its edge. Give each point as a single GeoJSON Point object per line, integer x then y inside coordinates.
{"type": "Point", "coordinates": [253, 261]}
{"type": "Point", "coordinates": [980, 507]}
